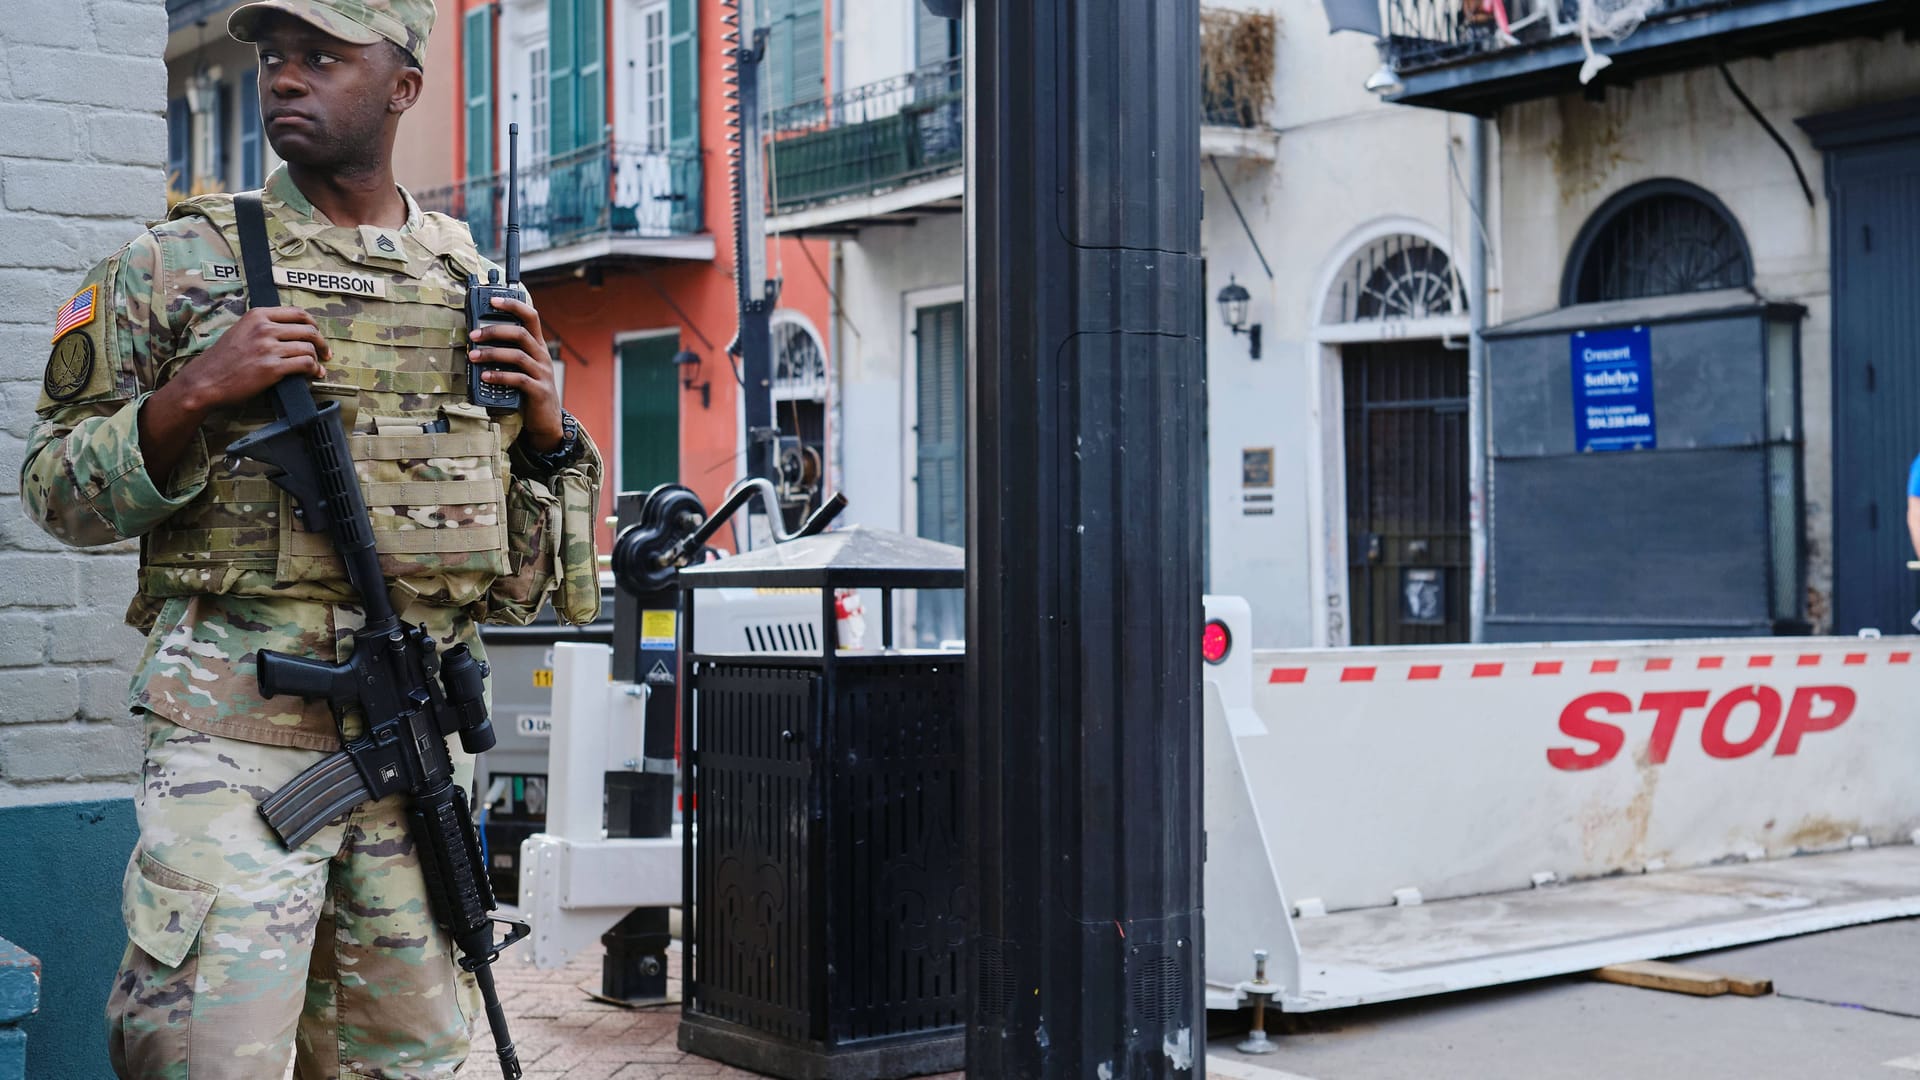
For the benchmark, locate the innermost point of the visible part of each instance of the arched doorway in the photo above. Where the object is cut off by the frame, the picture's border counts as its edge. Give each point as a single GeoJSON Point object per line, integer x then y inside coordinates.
{"type": "Point", "coordinates": [1393, 322]}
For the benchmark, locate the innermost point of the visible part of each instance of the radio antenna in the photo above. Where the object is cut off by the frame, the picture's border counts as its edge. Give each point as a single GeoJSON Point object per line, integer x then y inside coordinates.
{"type": "Point", "coordinates": [513, 204]}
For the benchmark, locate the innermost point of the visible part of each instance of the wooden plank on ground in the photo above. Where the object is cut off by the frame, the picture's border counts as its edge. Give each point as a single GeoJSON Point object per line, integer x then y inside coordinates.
{"type": "Point", "coordinates": [1658, 975]}
{"type": "Point", "coordinates": [1746, 987]}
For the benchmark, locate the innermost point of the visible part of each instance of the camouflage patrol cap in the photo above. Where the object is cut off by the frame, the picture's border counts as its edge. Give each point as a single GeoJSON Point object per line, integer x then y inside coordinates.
{"type": "Point", "coordinates": [406, 23]}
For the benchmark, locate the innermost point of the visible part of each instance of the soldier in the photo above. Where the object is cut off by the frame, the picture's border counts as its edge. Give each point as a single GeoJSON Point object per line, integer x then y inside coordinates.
{"type": "Point", "coordinates": [243, 953]}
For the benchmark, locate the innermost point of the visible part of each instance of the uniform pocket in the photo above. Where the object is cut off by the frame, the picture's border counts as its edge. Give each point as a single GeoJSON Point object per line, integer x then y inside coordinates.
{"type": "Point", "coordinates": [437, 501]}
{"type": "Point", "coordinates": [164, 908]}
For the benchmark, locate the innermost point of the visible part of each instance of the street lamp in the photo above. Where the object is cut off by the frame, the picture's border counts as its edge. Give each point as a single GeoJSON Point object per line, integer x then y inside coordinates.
{"type": "Point", "coordinates": [1233, 311]}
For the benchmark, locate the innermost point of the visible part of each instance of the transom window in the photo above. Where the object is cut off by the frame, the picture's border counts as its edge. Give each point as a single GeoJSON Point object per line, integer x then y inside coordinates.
{"type": "Point", "coordinates": [1657, 239]}
{"type": "Point", "coordinates": [1395, 277]}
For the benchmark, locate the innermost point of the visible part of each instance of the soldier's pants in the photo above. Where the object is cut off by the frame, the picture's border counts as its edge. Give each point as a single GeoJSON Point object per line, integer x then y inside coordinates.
{"type": "Point", "coordinates": [238, 947]}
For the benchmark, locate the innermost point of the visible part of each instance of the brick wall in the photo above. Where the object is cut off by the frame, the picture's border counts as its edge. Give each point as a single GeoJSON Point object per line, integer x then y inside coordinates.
{"type": "Point", "coordinates": [82, 169]}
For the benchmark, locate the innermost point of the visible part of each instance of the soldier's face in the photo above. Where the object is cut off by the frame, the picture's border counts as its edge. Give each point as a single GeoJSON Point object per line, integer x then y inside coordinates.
{"type": "Point", "coordinates": [326, 103]}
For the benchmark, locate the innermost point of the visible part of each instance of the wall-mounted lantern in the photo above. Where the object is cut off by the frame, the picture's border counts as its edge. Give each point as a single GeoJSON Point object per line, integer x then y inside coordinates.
{"type": "Point", "coordinates": [689, 364]}
{"type": "Point", "coordinates": [1234, 300]}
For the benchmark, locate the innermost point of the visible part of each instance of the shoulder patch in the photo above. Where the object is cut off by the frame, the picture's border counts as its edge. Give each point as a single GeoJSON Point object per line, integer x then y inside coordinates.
{"type": "Point", "coordinates": [78, 311]}
{"type": "Point", "coordinates": [70, 368]}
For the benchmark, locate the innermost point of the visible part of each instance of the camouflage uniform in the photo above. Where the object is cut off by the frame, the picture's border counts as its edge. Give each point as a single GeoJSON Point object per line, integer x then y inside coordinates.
{"type": "Point", "coordinates": [238, 947]}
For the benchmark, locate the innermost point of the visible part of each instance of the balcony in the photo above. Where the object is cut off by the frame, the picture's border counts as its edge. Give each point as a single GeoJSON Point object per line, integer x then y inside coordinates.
{"type": "Point", "coordinates": [885, 153]}
{"type": "Point", "coordinates": [1236, 83]}
{"type": "Point", "coordinates": [601, 202]}
{"type": "Point", "coordinates": [1456, 55]}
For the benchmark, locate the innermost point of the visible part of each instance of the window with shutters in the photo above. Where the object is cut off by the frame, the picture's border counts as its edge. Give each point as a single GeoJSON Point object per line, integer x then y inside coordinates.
{"type": "Point", "coordinates": [940, 429]}
{"type": "Point", "coordinates": [577, 92]}
{"type": "Point", "coordinates": [936, 40]}
{"type": "Point", "coordinates": [653, 68]}
{"type": "Point", "coordinates": [795, 70]}
{"type": "Point", "coordinates": [179, 146]}
{"type": "Point", "coordinates": [649, 429]}
{"type": "Point", "coordinates": [252, 170]}
{"type": "Point", "coordinates": [477, 60]}
{"type": "Point", "coordinates": [539, 121]}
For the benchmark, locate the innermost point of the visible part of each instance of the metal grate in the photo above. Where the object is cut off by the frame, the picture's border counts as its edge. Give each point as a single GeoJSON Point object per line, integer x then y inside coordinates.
{"type": "Point", "coordinates": [995, 991]}
{"type": "Point", "coordinates": [1159, 990]}
{"type": "Point", "coordinates": [1396, 277]}
{"type": "Point", "coordinates": [1659, 243]}
{"type": "Point", "coordinates": [607, 189]}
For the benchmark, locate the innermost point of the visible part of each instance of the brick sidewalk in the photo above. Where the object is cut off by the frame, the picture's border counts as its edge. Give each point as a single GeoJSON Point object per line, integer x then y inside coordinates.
{"type": "Point", "coordinates": [562, 1034]}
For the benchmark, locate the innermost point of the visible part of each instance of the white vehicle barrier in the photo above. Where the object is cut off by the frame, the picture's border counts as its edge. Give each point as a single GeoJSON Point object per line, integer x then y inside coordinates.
{"type": "Point", "coordinates": [574, 882]}
{"type": "Point", "coordinates": [1393, 822]}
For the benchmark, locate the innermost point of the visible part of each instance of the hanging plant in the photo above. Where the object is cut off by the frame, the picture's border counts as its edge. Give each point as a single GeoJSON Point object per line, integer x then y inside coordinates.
{"type": "Point", "coordinates": [1236, 65]}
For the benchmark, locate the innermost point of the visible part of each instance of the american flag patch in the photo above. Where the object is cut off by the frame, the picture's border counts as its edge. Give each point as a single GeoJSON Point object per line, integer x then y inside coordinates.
{"type": "Point", "coordinates": [76, 312]}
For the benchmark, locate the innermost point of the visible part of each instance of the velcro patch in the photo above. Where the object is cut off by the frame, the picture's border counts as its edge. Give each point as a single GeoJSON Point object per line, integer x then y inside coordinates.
{"type": "Point", "coordinates": [332, 281]}
{"type": "Point", "coordinates": [77, 312]}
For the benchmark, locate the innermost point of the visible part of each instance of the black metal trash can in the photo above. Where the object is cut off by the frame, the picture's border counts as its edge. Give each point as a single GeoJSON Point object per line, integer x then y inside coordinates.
{"type": "Point", "coordinates": [824, 877]}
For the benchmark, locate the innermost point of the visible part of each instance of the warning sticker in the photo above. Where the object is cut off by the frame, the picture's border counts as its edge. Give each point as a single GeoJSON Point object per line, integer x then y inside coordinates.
{"type": "Point", "coordinates": [657, 629]}
{"type": "Point", "coordinates": [659, 675]}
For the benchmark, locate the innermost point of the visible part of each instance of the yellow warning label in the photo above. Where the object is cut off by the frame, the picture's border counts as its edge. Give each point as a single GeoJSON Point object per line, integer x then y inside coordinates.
{"type": "Point", "coordinates": [543, 678]}
{"type": "Point", "coordinates": [657, 629]}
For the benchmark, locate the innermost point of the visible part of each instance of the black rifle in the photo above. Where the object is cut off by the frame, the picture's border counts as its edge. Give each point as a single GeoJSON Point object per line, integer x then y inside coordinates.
{"type": "Point", "coordinates": [410, 698]}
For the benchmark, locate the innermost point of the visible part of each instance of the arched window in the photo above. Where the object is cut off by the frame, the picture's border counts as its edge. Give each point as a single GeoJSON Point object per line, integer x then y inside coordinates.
{"type": "Point", "coordinates": [1657, 239]}
{"type": "Point", "coordinates": [799, 363]}
{"type": "Point", "coordinates": [1395, 277]}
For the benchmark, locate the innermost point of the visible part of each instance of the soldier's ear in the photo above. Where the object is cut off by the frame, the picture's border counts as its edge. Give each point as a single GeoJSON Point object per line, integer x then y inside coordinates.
{"type": "Point", "coordinates": [407, 85]}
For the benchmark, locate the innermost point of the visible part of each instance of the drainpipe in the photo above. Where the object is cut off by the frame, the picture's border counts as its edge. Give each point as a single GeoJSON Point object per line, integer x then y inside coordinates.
{"type": "Point", "coordinates": [836, 345]}
{"type": "Point", "coordinates": [1477, 377]}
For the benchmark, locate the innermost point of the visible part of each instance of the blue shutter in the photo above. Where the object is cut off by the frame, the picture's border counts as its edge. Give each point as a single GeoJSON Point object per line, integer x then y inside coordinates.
{"type": "Point", "coordinates": [179, 146]}
{"type": "Point", "coordinates": [478, 61]}
{"type": "Point", "coordinates": [940, 427]}
{"type": "Point", "coordinates": [683, 74]}
{"type": "Point", "coordinates": [250, 158]}
{"type": "Point", "coordinates": [222, 149]}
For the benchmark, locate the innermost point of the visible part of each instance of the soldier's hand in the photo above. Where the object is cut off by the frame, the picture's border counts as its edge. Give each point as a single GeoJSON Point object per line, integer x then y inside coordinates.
{"type": "Point", "coordinates": [265, 346]}
{"type": "Point", "coordinates": [523, 347]}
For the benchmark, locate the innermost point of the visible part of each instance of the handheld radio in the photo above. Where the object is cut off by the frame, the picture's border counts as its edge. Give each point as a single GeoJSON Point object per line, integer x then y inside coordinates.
{"type": "Point", "coordinates": [480, 309]}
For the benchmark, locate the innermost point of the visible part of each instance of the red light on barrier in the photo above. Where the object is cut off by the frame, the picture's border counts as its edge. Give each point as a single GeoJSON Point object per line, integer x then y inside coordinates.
{"type": "Point", "coordinates": [1215, 642]}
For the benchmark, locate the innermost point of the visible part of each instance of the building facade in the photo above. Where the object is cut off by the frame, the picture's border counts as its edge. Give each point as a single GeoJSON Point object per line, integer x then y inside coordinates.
{"type": "Point", "coordinates": [1757, 156]}
{"type": "Point", "coordinates": [627, 220]}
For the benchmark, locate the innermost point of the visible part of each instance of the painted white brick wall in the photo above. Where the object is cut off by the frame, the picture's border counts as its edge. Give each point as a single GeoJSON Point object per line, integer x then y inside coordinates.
{"type": "Point", "coordinates": [83, 147]}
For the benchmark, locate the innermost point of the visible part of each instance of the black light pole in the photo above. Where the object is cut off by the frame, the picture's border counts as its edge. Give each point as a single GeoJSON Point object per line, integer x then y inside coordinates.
{"type": "Point", "coordinates": [1084, 482]}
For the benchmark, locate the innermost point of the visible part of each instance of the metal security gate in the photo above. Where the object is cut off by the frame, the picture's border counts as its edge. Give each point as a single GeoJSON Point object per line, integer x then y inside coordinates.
{"type": "Point", "coordinates": [1873, 181]}
{"type": "Point", "coordinates": [1406, 440]}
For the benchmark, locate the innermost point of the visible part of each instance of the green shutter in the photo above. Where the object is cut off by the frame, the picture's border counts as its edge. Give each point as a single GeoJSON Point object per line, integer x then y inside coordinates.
{"type": "Point", "coordinates": [590, 62]}
{"type": "Point", "coordinates": [940, 427]}
{"type": "Point", "coordinates": [576, 57]}
{"type": "Point", "coordinates": [796, 69]}
{"type": "Point", "coordinates": [561, 78]}
{"type": "Point", "coordinates": [649, 413]}
{"type": "Point", "coordinates": [683, 73]}
{"type": "Point", "coordinates": [479, 68]}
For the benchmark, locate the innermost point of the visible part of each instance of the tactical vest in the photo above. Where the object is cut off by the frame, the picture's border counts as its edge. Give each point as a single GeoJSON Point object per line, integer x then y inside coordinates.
{"type": "Point", "coordinates": [437, 497]}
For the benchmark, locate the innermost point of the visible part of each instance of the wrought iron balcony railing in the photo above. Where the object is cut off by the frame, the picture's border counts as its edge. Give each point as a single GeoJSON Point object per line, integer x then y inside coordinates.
{"type": "Point", "coordinates": [1430, 33]}
{"type": "Point", "coordinates": [605, 190]}
{"type": "Point", "coordinates": [868, 139]}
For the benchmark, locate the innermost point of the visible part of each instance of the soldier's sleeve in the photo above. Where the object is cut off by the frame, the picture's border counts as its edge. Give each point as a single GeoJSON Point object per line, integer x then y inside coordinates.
{"type": "Point", "coordinates": [550, 535]}
{"type": "Point", "coordinates": [84, 479]}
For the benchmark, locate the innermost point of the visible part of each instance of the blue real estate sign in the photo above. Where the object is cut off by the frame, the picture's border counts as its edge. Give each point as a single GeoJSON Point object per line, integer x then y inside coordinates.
{"type": "Point", "coordinates": [1612, 390]}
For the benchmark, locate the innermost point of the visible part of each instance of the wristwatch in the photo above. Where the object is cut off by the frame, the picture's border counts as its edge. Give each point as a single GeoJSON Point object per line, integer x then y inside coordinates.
{"type": "Point", "coordinates": [560, 456]}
